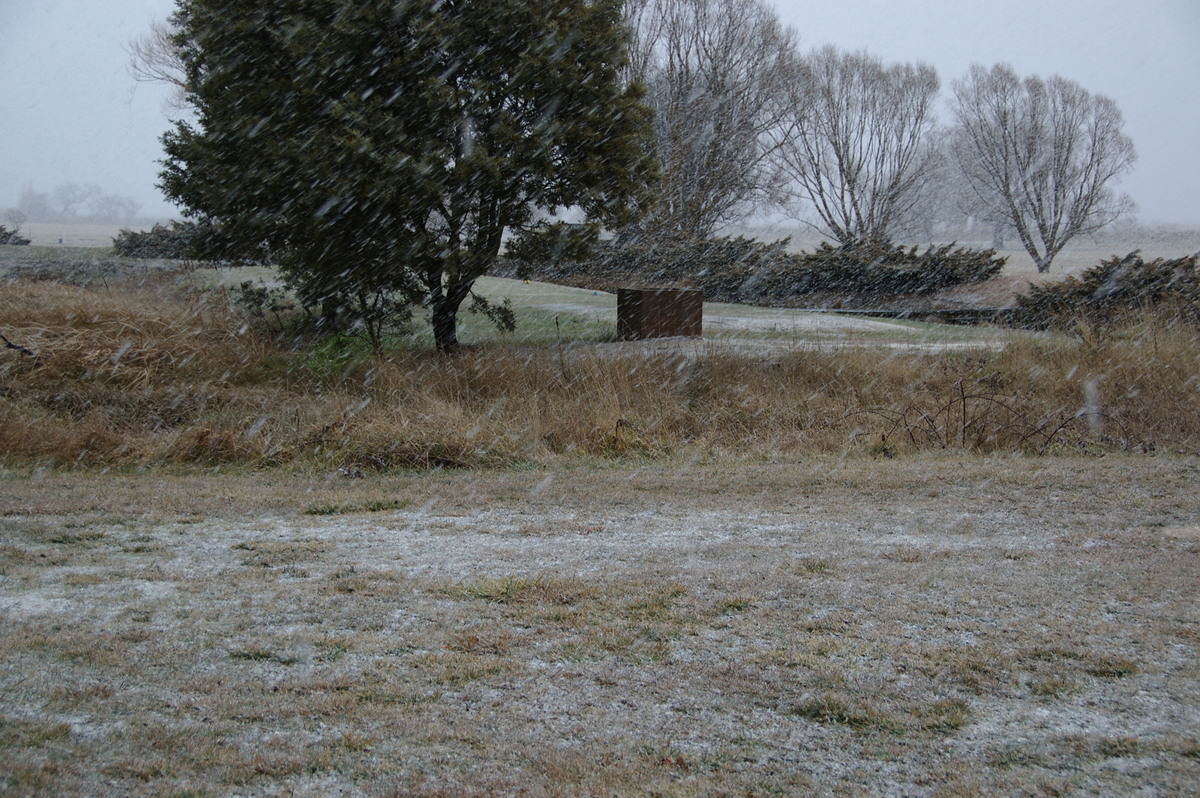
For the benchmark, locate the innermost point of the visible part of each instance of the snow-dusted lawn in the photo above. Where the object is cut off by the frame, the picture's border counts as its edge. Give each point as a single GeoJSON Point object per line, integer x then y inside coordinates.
{"type": "Point", "coordinates": [951, 626]}
{"type": "Point", "coordinates": [727, 327]}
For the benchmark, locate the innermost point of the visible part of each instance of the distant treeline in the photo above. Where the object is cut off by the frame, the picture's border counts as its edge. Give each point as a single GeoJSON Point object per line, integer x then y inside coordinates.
{"type": "Point", "coordinates": [73, 202]}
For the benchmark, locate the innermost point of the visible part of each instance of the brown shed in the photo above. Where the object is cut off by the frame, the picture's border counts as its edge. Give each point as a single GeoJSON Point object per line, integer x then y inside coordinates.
{"type": "Point", "coordinates": [659, 313]}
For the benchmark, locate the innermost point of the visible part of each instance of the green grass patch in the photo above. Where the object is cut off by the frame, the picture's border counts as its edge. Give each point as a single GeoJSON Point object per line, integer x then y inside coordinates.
{"type": "Point", "coordinates": [857, 714]}
{"type": "Point", "coordinates": [372, 506]}
{"type": "Point", "coordinates": [1111, 667]}
{"type": "Point", "coordinates": [509, 589]}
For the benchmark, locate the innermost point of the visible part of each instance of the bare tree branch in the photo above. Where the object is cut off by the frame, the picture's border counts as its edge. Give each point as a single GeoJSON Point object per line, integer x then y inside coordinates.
{"type": "Point", "coordinates": [154, 57]}
{"type": "Point", "coordinates": [10, 345]}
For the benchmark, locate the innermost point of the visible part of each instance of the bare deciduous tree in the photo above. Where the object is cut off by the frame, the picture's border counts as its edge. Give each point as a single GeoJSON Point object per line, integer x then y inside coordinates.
{"type": "Point", "coordinates": [73, 202]}
{"type": "Point", "coordinates": [715, 73]}
{"type": "Point", "coordinates": [154, 57]}
{"type": "Point", "coordinates": [70, 199]}
{"type": "Point", "coordinates": [16, 217]}
{"type": "Point", "coordinates": [1041, 154]}
{"type": "Point", "coordinates": [858, 143]}
{"type": "Point", "coordinates": [36, 205]}
{"type": "Point", "coordinates": [931, 206]}
{"type": "Point", "coordinates": [113, 208]}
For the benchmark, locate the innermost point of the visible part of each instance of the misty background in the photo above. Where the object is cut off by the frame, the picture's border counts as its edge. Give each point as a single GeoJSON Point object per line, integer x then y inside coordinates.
{"type": "Point", "coordinates": [72, 115]}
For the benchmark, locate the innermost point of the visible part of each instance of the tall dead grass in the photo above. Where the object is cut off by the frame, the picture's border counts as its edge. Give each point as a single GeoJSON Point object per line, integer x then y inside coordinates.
{"type": "Point", "coordinates": [131, 375]}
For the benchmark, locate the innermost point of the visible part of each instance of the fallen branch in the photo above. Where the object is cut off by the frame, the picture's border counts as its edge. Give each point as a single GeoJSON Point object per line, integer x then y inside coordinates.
{"type": "Point", "coordinates": [20, 349]}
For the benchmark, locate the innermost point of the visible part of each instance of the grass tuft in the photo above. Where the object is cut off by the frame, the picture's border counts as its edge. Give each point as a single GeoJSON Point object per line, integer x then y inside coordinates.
{"type": "Point", "coordinates": [373, 506]}
{"type": "Point", "coordinates": [1111, 667]}
{"type": "Point", "coordinates": [857, 714]}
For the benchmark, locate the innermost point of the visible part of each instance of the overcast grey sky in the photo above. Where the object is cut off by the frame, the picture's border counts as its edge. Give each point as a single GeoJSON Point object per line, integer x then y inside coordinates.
{"type": "Point", "coordinates": [70, 112]}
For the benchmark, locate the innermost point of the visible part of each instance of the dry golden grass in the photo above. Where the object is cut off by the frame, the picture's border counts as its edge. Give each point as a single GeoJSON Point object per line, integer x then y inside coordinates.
{"type": "Point", "coordinates": [153, 373]}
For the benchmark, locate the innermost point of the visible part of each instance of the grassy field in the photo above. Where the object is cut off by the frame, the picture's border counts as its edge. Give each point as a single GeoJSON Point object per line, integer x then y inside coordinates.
{"type": "Point", "coordinates": [91, 236]}
{"type": "Point", "coordinates": [805, 555]}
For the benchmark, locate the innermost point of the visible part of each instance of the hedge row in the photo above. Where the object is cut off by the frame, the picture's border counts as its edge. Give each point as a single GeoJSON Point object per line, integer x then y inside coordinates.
{"type": "Point", "coordinates": [1114, 291]}
{"type": "Point", "coordinates": [12, 237]}
{"type": "Point", "coordinates": [174, 242]}
{"type": "Point", "coordinates": [748, 271]}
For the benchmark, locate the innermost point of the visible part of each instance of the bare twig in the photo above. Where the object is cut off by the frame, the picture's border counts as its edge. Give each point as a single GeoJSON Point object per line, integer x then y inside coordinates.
{"type": "Point", "coordinates": [20, 349]}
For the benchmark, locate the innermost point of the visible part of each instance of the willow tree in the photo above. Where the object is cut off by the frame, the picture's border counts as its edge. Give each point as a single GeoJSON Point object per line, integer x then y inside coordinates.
{"type": "Point", "coordinates": [859, 147]}
{"type": "Point", "coordinates": [379, 152]}
{"type": "Point", "coordinates": [1042, 155]}
{"type": "Point", "coordinates": [716, 76]}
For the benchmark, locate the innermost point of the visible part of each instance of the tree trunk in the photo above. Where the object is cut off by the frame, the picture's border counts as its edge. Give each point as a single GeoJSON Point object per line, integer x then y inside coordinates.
{"type": "Point", "coordinates": [445, 326]}
{"type": "Point", "coordinates": [445, 316]}
{"type": "Point", "coordinates": [331, 313]}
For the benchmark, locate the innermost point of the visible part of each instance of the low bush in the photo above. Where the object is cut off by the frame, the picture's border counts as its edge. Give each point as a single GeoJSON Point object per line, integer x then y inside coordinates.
{"type": "Point", "coordinates": [12, 237]}
{"type": "Point", "coordinates": [269, 305]}
{"type": "Point", "coordinates": [744, 270]}
{"type": "Point", "coordinates": [175, 242]}
{"type": "Point", "coordinates": [718, 266]}
{"type": "Point", "coordinates": [1115, 292]}
{"type": "Point", "coordinates": [881, 269]}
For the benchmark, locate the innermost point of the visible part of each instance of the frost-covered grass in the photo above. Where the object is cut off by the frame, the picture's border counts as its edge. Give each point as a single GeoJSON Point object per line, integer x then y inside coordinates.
{"type": "Point", "coordinates": [553, 314]}
{"type": "Point", "coordinates": [10, 256]}
{"type": "Point", "coordinates": [937, 625]}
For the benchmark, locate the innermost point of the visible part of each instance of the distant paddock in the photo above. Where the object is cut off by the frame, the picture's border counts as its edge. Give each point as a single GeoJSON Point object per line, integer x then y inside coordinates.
{"type": "Point", "coordinates": [50, 234]}
{"type": "Point", "coordinates": [1072, 260]}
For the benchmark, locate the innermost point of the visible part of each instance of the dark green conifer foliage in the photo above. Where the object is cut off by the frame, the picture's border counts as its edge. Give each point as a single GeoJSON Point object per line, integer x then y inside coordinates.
{"type": "Point", "coordinates": [379, 151]}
